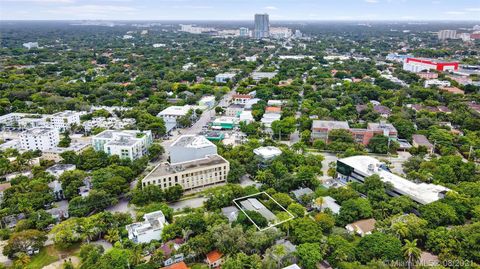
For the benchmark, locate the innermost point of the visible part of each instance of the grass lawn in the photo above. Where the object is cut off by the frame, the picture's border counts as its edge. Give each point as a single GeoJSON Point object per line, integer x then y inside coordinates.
{"type": "Point", "coordinates": [41, 259]}
{"type": "Point", "coordinates": [199, 266]}
{"type": "Point", "coordinates": [50, 254]}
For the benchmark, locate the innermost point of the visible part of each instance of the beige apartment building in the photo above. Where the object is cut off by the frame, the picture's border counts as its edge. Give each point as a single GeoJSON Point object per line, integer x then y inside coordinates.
{"type": "Point", "coordinates": [191, 175]}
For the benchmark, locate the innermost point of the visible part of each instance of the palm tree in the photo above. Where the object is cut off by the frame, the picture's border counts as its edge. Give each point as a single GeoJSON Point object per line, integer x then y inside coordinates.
{"type": "Point", "coordinates": [319, 202]}
{"type": "Point", "coordinates": [112, 236]}
{"type": "Point", "coordinates": [22, 261]}
{"type": "Point", "coordinates": [400, 229]}
{"type": "Point", "coordinates": [411, 252]}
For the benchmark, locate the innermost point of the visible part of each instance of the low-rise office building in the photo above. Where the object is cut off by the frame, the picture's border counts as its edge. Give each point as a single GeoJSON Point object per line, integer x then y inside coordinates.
{"type": "Point", "coordinates": [39, 139]}
{"type": "Point", "coordinates": [127, 144]}
{"type": "Point", "coordinates": [357, 168]}
{"type": "Point", "coordinates": [54, 154]}
{"type": "Point", "coordinates": [191, 175]}
{"type": "Point", "coordinates": [191, 147]}
{"type": "Point", "coordinates": [147, 230]}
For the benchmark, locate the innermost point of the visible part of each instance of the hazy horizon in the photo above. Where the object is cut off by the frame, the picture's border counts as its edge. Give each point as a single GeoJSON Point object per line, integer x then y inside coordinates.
{"type": "Point", "coordinates": [238, 10]}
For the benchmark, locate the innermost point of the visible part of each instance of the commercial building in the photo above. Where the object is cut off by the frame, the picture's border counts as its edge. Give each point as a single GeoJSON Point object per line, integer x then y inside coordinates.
{"type": "Point", "coordinates": [241, 99]}
{"type": "Point", "coordinates": [419, 64]}
{"type": "Point", "coordinates": [191, 175]}
{"type": "Point", "coordinates": [357, 168]}
{"type": "Point", "coordinates": [207, 101]}
{"type": "Point", "coordinates": [224, 77]}
{"type": "Point", "coordinates": [111, 123]}
{"type": "Point", "coordinates": [246, 116]}
{"type": "Point", "coordinates": [147, 230]}
{"type": "Point", "coordinates": [252, 204]}
{"type": "Point", "coordinates": [261, 75]}
{"type": "Point", "coordinates": [234, 110]}
{"type": "Point", "coordinates": [280, 32]}
{"type": "Point", "coordinates": [191, 147]}
{"type": "Point", "coordinates": [174, 112]}
{"type": "Point", "coordinates": [127, 144]}
{"type": "Point", "coordinates": [54, 154]}
{"type": "Point", "coordinates": [262, 26]}
{"type": "Point", "coordinates": [224, 123]}
{"type": "Point", "coordinates": [435, 82]}
{"type": "Point", "coordinates": [321, 130]}
{"type": "Point", "coordinates": [39, 139]}
{"type": "Point", "coordinates": [447, 34]}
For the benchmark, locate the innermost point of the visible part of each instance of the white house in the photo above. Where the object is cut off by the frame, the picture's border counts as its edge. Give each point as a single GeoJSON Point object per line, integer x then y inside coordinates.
{"type": "Point", "coordinates": [149, 229]}
{"type": "Point", "coordinates": [191, 147]}
{"type": "Point", "coordinates": [224, 77]}
{"type": "Point", "coordinates": [128, 144]}
{"type": "Point", "coordinates": [39, 139]}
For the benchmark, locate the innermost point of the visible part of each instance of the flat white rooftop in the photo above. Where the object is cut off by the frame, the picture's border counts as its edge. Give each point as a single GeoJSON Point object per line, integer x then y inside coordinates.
{"type": "Point", "coordinates": [267, 152]}
{"type": "Point", "coordinates": [192, 141]}
{"type": "Point", "coordinates": [175, 111]}
{"type": "Point", "coordinates": [423, 193]}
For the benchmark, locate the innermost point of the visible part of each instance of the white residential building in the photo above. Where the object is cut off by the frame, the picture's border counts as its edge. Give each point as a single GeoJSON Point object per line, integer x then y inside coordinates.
{"type": "Point", "coordinates": [39, 139]}
{"type": "Point", "coordinates": [447, 34]}
{"type": "Point", "coordinates": [112, 123]}
{"type": "Point", "coordinates": [147, 230]}
{"type": "Point", "coordinates": [64, 120]}
{"type": "Point", "coordinates": [128, 144]}
{"type": "Point", "coordinates": [191, 147]}
{"type": "Point", "coordinates": [224, 77]}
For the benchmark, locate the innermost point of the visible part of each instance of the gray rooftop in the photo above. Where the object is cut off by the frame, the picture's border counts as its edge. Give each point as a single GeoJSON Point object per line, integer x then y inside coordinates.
{"type": "Point", "coordinates": [325, 124]}
{"type": "Point", "coordinates": [164, 169]}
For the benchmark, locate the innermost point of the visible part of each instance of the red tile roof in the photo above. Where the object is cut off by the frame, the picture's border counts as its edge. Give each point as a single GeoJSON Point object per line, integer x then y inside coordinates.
{"type": "Point", "coordinates": [273, 109]}
{"type": "Point", "coordinates": [180, 265]}
{"type": "Point", "coordinates": [214, 256]}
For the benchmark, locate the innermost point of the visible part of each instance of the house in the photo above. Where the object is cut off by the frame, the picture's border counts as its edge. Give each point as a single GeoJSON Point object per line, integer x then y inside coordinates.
{"type": "Point", "coordinates": [56, 187]}
{"type": "Point", "coordinates": [299, 193]}
{"type": "Point", "coordinates": [224, 77]}
{"type": "Point", "coordinates": [230, 212]}
{"type": "Point", "coordinates": [267, 153]}
{"type": "Point", "coordinates": [179, 265]}
{"type": "Point", "coordinates": [453, 90]}
{"type": "Point", "coordinates": [361, 227]}
{"type": "Point", "coordinates": [330, 203]}
{"type": "Point", "coordinates": [3, 188]}
{"type": "Point", "coordinates": [149, 229]}
{"type": "Point", "coordinates": [420, 140]}
{"type": "Point", "coordinates": [58, 214]}
{"type": "Point", "coordinates": [58, 169]}
{"type": "Point", "coordinates": [293, 266]}
{"type": "Point", "coordinates": [214, 259]}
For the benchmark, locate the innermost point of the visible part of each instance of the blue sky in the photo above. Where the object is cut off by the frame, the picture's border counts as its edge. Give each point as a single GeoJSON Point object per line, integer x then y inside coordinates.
{"type": "Point", "coordinates": [240, 9]}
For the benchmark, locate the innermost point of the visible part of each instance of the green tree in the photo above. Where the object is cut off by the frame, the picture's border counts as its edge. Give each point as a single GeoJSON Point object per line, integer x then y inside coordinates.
{"type": "Point", "coordinates": [411, 252]}
{"type": "Point", "coordinates": [379, 246]}
{"type": "Point", "coordinates": [309, 254]}
{"type": "Point", "coordinates": [355, 209]}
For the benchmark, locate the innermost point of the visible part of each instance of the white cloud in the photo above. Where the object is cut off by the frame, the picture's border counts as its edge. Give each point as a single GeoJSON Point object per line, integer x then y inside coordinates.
{"type": "Point", "coordinates": [455, 13]}
{"type": "Point", "coordinates": [93, 11]}
{"type": "Point", "coordinates": [473, 9]}
{"type": "Point", "coordinates": [371, 1]}
{"type": "Point", "coordinates": [42, 1]}
{"type": "Point", "coordinates": [271, 8]}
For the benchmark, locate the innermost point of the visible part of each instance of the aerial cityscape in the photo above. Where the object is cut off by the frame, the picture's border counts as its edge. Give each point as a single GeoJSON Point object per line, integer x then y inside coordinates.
{"type": "Point", "coordinates": [268, 134]}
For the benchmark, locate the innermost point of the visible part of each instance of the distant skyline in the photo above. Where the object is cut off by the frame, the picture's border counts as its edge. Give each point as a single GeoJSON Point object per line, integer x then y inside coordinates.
{"type": "Point", "coordinates": [279, 10]}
